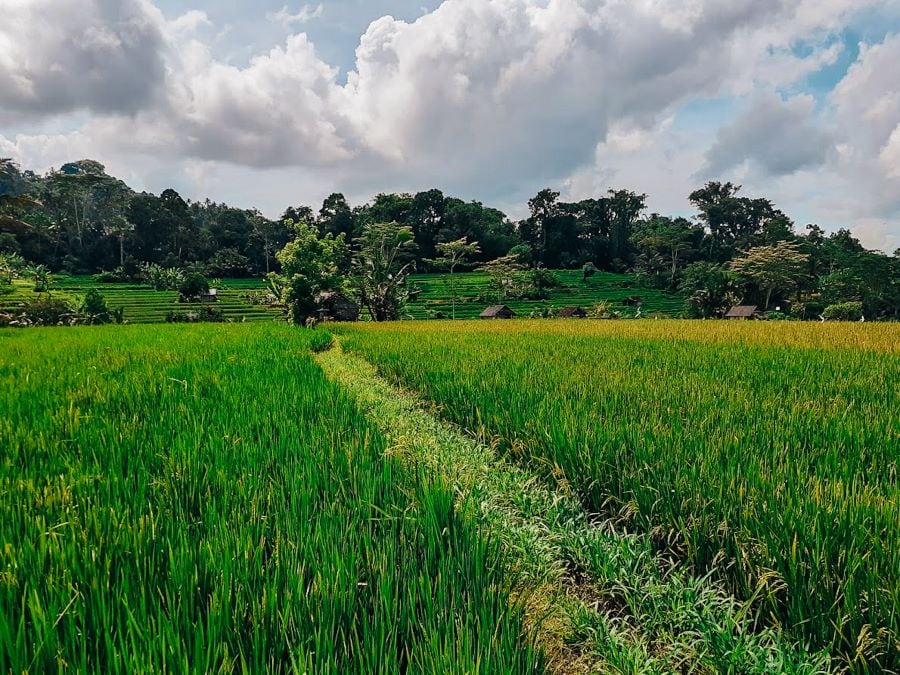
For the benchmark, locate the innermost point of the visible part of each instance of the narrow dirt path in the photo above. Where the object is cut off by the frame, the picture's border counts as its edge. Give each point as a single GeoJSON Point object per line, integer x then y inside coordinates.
{"type": "Point", "coordinates": [597, 600]}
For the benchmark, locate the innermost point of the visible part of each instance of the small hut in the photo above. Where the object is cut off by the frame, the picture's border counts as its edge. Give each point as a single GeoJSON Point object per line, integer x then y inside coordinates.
{"type": "Point", "coordinates": [334, 306]}
{"type": "Point", "coordinates": [741, 312]}
{"type": "Point", "coordinates": [571, 313]}
{"type": "Point", "coordinates": [212, 295]}
{"type": "Point", "coordinates": [498, 312]}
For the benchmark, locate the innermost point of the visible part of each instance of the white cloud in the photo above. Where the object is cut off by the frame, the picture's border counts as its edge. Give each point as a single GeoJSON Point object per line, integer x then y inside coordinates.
{"type": "Point", "coordinates": [63, 55]}
{"type": "Point", "coordinates": [306, 14]}
{"type": "Point", "coordinates": [486, 98]}
{"type": "Point", "coordinates": [867, 109]}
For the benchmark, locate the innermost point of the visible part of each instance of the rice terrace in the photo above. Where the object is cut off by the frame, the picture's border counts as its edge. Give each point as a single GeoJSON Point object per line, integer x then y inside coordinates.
{"type": "Point", "coordinates": [468, 337]}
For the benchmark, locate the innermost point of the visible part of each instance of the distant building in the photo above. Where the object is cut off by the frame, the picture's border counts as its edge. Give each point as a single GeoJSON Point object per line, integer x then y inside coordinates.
{"type": "Point", "coordinates": [571, 313]}
{"type": "Point", "coordinates": [498, 312]}
{"type": "Point", "coordinates": [741, 312]}
{"type": "Point", "coordinates": [334, 306]}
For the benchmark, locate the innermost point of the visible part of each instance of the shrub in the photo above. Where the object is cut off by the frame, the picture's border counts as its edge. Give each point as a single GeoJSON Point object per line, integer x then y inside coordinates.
{"type": "Point", "coordinates": [161, 278]}
{"type": "Point", "coordinates": [604, 310]}
{"type": "Point", "coordinates": [261, 299]}
{"type": "Point", "coordinates": [94, 310]}
{"type": "Point", "coordinates": [193, 286]}
{"type": "Point", "coordinates": [46, 311]}
{"type": "Point", "coordinates": [808, 310]}
{"type": "Point", "coordinates": [204, 314]}
{"type": "Point", "coordinates": [541, 281]}
{"type": "Point", "coordinates": [843, 311]}
{"type": "Point", "coordinates": [116, 276]}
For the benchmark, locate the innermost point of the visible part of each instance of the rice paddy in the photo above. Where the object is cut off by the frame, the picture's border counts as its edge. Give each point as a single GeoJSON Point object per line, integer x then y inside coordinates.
{"type": "Point", "coordinates": [764, 453]}
{"type": "Point", "coordinates": [473, 293]}
{"type": "Point", "coordinates": [202, 499]}
{"type": "Point", "coordinates": [597, 496]}
{"type": "Point", "coordinates": [142, 304]}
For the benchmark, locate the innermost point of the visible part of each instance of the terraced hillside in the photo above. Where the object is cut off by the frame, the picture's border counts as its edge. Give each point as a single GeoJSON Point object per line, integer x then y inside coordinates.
{"type": "Point", "coordinates": [474, 294]}
{"type": "Point", "coordinates": [142, 304]}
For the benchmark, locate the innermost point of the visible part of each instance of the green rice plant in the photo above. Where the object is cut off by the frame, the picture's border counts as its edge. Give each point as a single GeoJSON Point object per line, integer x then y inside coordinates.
{"type": "Point", "coordinates": [764, 453]}
{"type": "Point", "coordinates": [202, 499]}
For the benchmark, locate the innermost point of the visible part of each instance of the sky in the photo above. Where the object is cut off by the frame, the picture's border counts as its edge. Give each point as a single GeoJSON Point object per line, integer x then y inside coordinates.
{"type": "Point", "coordinates": [277, 103]}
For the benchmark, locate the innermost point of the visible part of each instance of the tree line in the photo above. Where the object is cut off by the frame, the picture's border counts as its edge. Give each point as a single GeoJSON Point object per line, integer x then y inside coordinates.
{"type": "Point", "coordinates": [80, 220]}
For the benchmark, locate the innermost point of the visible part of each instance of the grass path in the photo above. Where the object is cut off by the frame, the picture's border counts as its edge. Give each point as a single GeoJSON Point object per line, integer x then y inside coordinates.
{"type": "Point", "coordinates": [597, 599]}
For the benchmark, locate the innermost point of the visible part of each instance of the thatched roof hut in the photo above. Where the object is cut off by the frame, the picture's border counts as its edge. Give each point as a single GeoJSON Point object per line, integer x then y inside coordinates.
{"type": "Point", "coordinates": [741, 312]}
{"type": "Point", "coordinates": [571, 313]}
{"type": "Point", "coordinates": [498, 312]}
{"type": "Point", "coordinates": [334, 306]}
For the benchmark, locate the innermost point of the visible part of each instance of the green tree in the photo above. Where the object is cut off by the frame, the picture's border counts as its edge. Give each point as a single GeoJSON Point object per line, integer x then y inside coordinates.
{"type": "Point", "coordinates": [40, 275]}
{"type": "Point", "coordinates": [454, 254]}
{"type": "Point", "coordinates": [193, 286]}
{"type": "Point", "coordinates": [736, 223]}
{"type": "Point", "coordinates": [94, 309]}
{"type": "Point", "coordinates": [625, 207]}
{"type": "Point", "coordinates": [541, 281]}
{"type": "Point", "coordinates": [777, 267]}
{"type": "Point", "coordinates": [11, 265]}
{"type": "Point", "coordinates": [841, 286]}
{"type": "Point", "coordinates": [709, 288]}
{"type": "Point", "coordinates": [382, 267]}
{"type": "Point", "coordinates": [536, 230]}
{"type": "Point", "coordinates": [426, 217]}
{"type": "Point", "coordinates": [664, 246]}
{"type": "Point", "coordinates": [336, 217]}
{"type": "Point", "coordinates": [504, 273]}
{"type": "Point", "coordinates": [309, 266]}
{"type": "Point", "coordinates": [269, 236]}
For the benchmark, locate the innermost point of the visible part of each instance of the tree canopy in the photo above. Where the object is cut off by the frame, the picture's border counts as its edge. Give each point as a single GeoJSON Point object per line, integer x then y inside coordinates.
{"type": "Point", "coordinates": [79, 219]}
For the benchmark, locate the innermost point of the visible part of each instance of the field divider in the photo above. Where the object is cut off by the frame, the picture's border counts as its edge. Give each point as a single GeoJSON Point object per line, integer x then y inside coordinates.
{"type": "Point", "coordinates": [596, 598]}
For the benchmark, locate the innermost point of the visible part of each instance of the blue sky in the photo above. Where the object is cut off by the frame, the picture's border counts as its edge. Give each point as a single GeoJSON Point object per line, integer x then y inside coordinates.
{"type": "Point", "coordinates": [281, 102]}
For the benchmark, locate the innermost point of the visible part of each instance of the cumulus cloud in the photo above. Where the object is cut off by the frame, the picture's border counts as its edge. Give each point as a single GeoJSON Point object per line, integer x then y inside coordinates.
{"type": "Point", "coordinates": [282, 109]}
{"type": "Point", "coordinates": [774, 135]}
{"type": "Point", "coordinates": [867, 105]}
{"type": "Point", "coordinates": [63, 55]}
{"type": "Point", "coordinates": [488, 98]}
{"type": "Point", "coordinates": [481, 89]}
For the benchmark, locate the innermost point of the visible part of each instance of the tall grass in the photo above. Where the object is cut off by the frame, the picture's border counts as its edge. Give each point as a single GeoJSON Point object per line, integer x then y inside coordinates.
{"type": "Point", "coordinates": [202, 499]}
{"type": "Point", "coordinates": [768, 452]}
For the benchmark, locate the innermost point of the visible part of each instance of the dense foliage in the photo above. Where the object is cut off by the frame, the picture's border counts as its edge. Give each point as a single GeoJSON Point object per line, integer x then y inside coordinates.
{"type": "Point", "coordinates": [78, 219]}
{"type": "Point", "coordinates": [767, 452]}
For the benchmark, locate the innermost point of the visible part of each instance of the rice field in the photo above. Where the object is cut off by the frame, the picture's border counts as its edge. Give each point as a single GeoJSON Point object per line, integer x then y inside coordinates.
{"type": "Point", "coordinates": [474, 294]}
{"type": "Point", "coordinates": [764, 453]}
{"type": "Point", "coordinates": [202, 499]}
{"type": "Point", "coordinates": [143, 304]}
